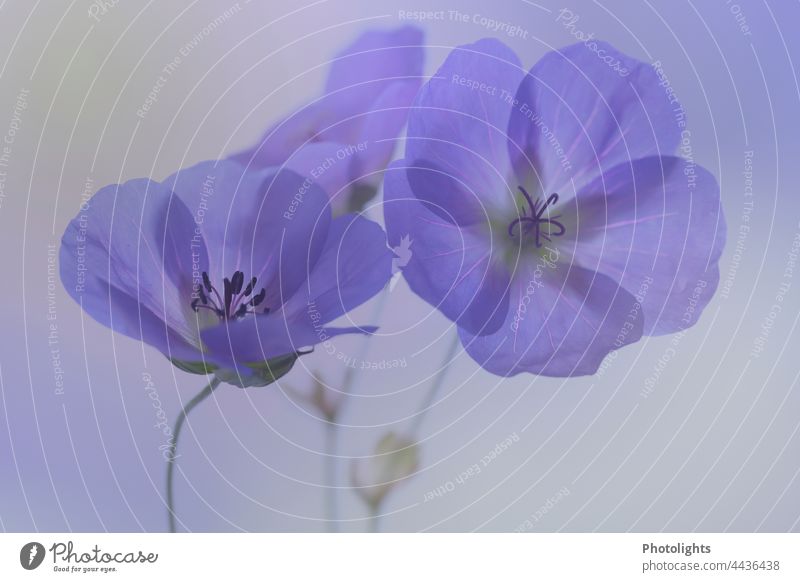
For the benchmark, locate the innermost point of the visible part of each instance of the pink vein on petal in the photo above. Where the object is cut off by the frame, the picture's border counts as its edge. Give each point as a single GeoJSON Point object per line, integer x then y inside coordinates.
{"type": "Point", "coordinates": [577, 311]}
{"type": "Point", "coordinates": [633, 221]}
{"type": "Point", "coordinates": [472, 268]}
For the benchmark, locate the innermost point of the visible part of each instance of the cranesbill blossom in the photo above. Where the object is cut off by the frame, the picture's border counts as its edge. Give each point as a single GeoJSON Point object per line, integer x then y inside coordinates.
{"type": "Point", "coordinates": [345, 138]}
{"type": "Point", "coordinates": [223, 270]}
{"type": "Point", "coordinates": [549, 216]}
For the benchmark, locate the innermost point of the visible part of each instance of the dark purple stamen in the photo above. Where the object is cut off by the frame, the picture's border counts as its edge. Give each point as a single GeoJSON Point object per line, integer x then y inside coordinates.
{"type": "Point", "coordinates": [237, 281]}
{"type": "Point", "coordinates": [250, 285]}
{"type": "Point", "coordinates": [227, 292]}
{"type": "Point", "coordinates": [535, 221]}
{"type": "Point", "coordinates": [255, 301]}
{"type": "Point", "coordinates": [234, 305]}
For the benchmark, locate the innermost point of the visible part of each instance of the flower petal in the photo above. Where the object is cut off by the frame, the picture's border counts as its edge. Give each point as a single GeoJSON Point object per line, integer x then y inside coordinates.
{"type": "Point", "coordinates": [381, 129]}
{"type": "Point", "coordinates": [656, 227]}
{"type": "Point", "coordinates": [355, 265]}
{"type": "Point", "coordinates": [364, 71]}
{"type": "Point", "coordinates": [339, 167]}
{"type": "Point", "coordinates": [286, 137]}
{"type": "Point", "coordinates": [457, 132]}
{"type": "Point", "coordinates": [454, 268]}
{"type": "Point", "coordinates": [257, 339]}
{"type": "Point", "coordinates": [119, 260]}
{"type": "Point", "coordinates": [372, 73]}
{"type": "Point", "coordinates": [327, 165]}
{"type": "Point", "coordinates": [586, 108]}
{"type": "Point", "coordinates": [565, 327]}
{"type": "Point", "coordinates": [269, 224]}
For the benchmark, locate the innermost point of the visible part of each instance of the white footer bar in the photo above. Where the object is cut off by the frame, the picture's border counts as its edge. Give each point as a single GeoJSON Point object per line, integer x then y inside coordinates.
{"type": "Point", "coordinates": [401, 557]}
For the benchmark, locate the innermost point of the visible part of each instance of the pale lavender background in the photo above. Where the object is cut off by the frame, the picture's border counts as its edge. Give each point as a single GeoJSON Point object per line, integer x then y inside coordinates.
{"type": "Point", "coordinates": [715, 447]}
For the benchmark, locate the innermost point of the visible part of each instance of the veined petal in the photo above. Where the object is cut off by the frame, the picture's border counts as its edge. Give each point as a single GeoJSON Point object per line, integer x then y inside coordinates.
{"type": "Point", "coordinates": [562, 321]}
{"type": "Point", "coordinates": [457, 133]}
{"type": "Point", "coordinates": [586, 108]}
{"type": "Point", "coordinates": [119, 259]}
{"type": "Point", "coordinates": [454, 268]}
{"type": "Point", "coordinates": [355, 265]}
{"type": "Point", "coordinates": [656, 227]}
{"type": "Point", "coordinates": [269, 224]}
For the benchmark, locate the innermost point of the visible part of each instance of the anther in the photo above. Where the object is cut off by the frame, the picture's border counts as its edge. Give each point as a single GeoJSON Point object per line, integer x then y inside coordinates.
{"type": "Point", "coordinates": [234, 305]}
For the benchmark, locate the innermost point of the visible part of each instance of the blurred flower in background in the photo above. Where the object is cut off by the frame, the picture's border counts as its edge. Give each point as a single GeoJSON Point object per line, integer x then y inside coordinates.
{"type": "Point", "coordinates": [345, 138]}
{"type": "Point", "coordinates": [550, 220]}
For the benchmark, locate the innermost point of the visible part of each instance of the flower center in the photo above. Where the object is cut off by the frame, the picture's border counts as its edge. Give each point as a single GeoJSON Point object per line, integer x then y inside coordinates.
{"type": "Point", "coordinates": [234, 302]}
{"type": "Point", "coordinates": [536, 222]}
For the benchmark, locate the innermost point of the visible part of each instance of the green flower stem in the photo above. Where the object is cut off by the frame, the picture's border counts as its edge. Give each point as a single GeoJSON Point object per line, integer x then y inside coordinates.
{"type": "Point", "coordinates": [176, 432]}
{"type": "Point", "coordinates": [331, 464]}
{"type": "Point", "coordinates": [350, 373]}
{"type": "Point", "coordinates": [416, 423]}
{"type": "Point", "coordinates": [375, 520]}
{"type": "Point", "coordinates": [436, 386]}
{"type": "Point", "coordinates": [332, 436]}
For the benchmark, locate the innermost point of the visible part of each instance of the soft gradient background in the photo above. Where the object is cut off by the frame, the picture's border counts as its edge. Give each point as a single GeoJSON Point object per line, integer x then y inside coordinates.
{"type": "Point", "coordinates": [713, 448]}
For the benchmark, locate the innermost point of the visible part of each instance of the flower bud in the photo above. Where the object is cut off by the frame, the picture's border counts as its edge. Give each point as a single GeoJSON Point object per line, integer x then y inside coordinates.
{"type": "Point", "coordinates": [324, 399]}
{"type": "Point", "coordinates": [395, 458]}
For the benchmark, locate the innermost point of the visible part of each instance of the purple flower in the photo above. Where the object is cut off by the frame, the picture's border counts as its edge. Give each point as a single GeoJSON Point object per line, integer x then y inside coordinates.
{"type": "Point", "coordinates": [223, 270]}
{"type": "Point", "coordinates": [346, 137]}
{"type": "Point", "coordinates": [548, 216]}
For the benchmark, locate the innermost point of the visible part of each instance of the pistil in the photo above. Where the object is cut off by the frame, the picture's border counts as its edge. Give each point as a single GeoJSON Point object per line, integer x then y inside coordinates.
{"type": "Point", "coordinates": [544, 227]}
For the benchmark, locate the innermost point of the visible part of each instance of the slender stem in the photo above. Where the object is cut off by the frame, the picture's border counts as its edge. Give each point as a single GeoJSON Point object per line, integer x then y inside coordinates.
{"type": "Point", "coordinates": [176, 432]}
{"type": "Point", "coordinates": [416, 423]}
{"type": "Point", "coordinates": [375, 519]}
{"type": "Point", "coordinates": [436, 386]}
{"type": "Point", "coordinates": [350, 373]}
{"type": "Point", "coordinates": [332, 437]}
{"type": "Point", "coordinates": [331, 442]}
